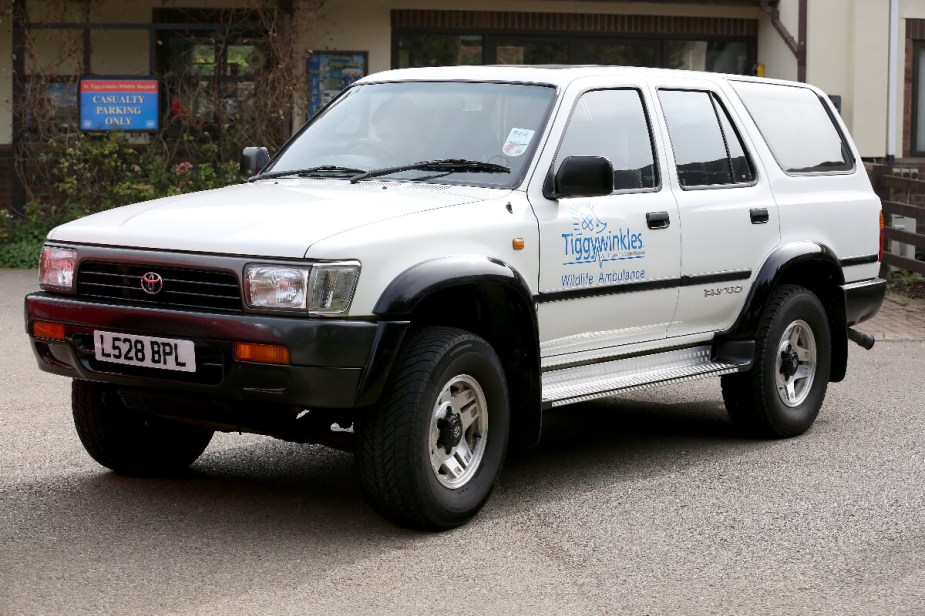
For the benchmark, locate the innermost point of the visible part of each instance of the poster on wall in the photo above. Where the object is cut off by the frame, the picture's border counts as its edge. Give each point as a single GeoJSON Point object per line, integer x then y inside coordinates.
{"type": "Point", "coordinates": [119, 103]}
{"type": "Point", "coordinates": [329, 72]}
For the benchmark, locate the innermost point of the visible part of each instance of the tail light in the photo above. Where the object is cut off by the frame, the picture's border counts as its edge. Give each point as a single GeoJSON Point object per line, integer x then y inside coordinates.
{"type": "Point", "coordinates": [882, 238]}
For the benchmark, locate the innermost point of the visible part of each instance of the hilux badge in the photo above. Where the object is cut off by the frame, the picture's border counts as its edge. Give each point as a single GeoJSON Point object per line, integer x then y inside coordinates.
{"type": "Point", "coordinates": [152, 283]}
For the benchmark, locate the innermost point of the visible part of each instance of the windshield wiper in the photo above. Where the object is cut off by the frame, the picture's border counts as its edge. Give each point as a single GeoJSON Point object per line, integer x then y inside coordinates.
{"type": "Point", "coordinates": [447, 164]}
{"type": "Point", "coordinates": [308, 172]}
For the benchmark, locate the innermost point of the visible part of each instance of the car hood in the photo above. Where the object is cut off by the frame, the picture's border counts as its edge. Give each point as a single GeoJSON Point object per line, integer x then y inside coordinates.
{"type": "Point", "coordinates": [279, 218]}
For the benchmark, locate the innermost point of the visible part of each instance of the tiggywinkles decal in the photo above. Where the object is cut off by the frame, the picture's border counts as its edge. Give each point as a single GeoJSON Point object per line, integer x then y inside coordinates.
{"type": "Point", "coordinates": [593, 241]}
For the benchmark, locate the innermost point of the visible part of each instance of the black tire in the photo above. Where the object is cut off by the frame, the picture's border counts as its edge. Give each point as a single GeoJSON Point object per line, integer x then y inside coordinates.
{"type": "Point", "coordinates": [395, 454]}
{"type": "Point", "coordinates": [752, 398]}
{"type": "Point", "coordinates": [129, 442]}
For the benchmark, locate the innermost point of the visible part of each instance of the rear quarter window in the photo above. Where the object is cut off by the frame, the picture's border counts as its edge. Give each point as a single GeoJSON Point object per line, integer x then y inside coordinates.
{"type": "Point", "coordinates": [797, 127]}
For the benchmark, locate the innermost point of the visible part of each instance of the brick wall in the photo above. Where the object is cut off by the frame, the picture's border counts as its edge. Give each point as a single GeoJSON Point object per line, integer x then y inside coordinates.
{"type": "Point", "coordinates": [572, 22]}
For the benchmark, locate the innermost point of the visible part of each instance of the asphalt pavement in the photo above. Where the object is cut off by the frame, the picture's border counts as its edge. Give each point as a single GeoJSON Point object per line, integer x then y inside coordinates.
{"type": "Point", "coordinates": [646, 504]}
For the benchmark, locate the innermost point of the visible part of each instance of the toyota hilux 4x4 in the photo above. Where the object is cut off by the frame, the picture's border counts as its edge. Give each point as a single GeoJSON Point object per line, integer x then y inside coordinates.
{"type": "Point", "coordinates": [442, 254]}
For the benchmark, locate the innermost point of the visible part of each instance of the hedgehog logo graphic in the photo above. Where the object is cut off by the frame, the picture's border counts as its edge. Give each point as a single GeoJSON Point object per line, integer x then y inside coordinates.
{"type": "Point", "coordinates": [584, 220]}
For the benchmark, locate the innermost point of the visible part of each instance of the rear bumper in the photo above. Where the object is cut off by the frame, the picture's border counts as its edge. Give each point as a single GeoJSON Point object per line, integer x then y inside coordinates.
{"type": "Point", "coordinates": [334, 363]}
{"type": "Point", "coordinates": [863, 299]}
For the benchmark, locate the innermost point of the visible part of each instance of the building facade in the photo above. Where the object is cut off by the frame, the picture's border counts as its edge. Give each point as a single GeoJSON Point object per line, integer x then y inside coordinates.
{"type": "Point", "coordinates": [208, 59]}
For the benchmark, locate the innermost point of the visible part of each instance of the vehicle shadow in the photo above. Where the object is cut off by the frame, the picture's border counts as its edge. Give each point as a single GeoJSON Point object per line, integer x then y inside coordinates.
{"type": "Point", "coordinates": [293, 507]}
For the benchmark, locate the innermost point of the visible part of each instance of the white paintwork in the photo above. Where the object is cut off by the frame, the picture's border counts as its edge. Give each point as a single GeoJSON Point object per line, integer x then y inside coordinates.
{"type": "Point", "coordinates": [718, 235]}
{"type": "Point", "coordinates": [390, 226]}
{"type": "Point", "coordinates": [271, 218]}
{"type": "Point", "coordinates": [581, 325]}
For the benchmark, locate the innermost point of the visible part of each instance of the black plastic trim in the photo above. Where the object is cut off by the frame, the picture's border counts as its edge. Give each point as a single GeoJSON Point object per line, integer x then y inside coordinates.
{"type": "Point", "coordinates": [866, 259]}
{"type": "Point", "coordinates": [652, 285]}
{"type": "Point", "coordinates": [863, 299]}
{"type": "Point", "coordinates": [332, 360]}
{"type": "Point", "coordinates": [700, 279]}
{"type": "Point", "coordinates": [775, 266]}
{"type": "Point", "coordinates": [403, 294]}
{"type": "Point", "coordinates": [558, 296]}
{"type": "Point", "coordinates": [381, 357]}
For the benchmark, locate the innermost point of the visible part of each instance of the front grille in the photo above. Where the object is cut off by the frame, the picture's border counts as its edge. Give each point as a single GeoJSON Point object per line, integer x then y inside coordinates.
{"type": "Point", "coordinates": [182, 288]}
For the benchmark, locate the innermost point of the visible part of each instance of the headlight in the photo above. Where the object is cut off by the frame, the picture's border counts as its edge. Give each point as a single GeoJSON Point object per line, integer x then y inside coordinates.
{"type": "Point", "coordinates": [332, 286]}
{"type": "Point", "coordinates": [322, 289]}
{"type": "Point", "coordinates": [56, 268]}
{"type": "Point", "coordinates": [276, 287]}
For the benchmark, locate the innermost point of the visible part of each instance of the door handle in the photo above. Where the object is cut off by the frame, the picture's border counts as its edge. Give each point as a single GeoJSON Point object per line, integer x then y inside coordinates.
{"type": "Point", "coordinates": [658, 220]}
{"type": "Point", "coordinates": [759, 215]}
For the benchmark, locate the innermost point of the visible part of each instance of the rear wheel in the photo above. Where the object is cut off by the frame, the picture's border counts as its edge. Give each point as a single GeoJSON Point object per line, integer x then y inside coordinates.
{"type": "Point", "coordinates": [129, 442]}
{"type": "Point", "coordinates": [430, 453]}
{"type": "Point", "coordinates": [782, 394]}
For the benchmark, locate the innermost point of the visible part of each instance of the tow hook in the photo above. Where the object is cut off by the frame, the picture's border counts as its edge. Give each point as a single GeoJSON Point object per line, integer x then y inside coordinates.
{"type": "Point", "coordinates": [860, 338]}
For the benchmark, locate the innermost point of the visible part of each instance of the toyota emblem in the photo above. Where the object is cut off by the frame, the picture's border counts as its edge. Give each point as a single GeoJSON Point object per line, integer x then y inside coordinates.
{"type": "Point", "coordinates": [152, 283]}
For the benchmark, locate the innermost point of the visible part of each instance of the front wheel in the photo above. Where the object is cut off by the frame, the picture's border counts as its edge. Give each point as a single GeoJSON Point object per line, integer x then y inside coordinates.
{"type": "Point", "coordinates": [129, 442]}
{"type": "Point", "coordinates": [430, 453]}
{"type": "Point", "coordinates": [782, 394]}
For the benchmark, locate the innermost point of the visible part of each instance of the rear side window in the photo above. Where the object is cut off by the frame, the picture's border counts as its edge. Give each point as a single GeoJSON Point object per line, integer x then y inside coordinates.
{"type": "Point", "coordinates": [707, 149]}
{"type": "Point", "coordinates": [613, 124]}
{"type": "Point", "coordinates": [797, 127]}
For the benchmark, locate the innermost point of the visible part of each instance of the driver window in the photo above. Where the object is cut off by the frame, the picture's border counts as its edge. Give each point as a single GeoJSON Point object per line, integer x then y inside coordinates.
{"type": "Point", "coordinates": [613, 124]}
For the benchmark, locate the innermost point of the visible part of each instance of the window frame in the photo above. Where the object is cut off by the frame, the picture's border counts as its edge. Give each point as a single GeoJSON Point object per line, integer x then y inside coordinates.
{"type": "Point", "coordinates": [573, 40]}
{"type": "Point", "coordinates": [717, 105]}
{"type": "Point", "coordinates": [827, 106]}
{"type": "Point", "coordinates": [656, 166]}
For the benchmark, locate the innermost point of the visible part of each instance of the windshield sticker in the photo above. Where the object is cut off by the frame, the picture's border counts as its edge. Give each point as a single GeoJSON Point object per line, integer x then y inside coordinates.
{"type": "Point", "coordinates": [517, 142]}
{"type": "Point", "coordinates": [594, 241]}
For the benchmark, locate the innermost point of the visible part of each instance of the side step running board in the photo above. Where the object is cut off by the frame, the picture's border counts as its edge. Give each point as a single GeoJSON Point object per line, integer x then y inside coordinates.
{"type": "Point", "coordinates": [599, 380]}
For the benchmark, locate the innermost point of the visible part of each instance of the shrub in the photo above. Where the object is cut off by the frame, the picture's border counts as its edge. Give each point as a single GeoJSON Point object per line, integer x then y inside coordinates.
{"type": "Point", "coordinates": [93, 173]}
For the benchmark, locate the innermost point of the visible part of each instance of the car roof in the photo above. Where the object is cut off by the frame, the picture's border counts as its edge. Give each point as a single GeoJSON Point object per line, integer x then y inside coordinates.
{"type": "Point", "coordinates": [555, 75]}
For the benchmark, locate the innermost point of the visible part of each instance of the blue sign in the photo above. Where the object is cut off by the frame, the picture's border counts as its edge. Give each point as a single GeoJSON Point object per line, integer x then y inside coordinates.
{"type": "Point", "coordinates": [129, 104]}
{"type": "Point", "coordinates": [329, 72]}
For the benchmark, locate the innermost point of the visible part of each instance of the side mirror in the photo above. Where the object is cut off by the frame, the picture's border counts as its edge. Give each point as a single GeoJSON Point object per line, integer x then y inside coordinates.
{"type": "Point", "coordinates": [253, 160]}
{"type": "Point", "coordinates": [580, 176]}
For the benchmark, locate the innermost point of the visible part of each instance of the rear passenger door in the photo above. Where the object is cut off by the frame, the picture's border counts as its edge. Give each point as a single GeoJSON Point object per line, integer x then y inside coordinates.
{"type": "Point", "coordinates": [608, 276]}
{"type": "Point", "coordinates": [725, 206]}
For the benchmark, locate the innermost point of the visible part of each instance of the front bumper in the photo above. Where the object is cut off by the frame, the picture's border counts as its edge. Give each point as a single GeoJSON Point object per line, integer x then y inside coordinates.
{"type": "Point", "coordinates": [335, 364]}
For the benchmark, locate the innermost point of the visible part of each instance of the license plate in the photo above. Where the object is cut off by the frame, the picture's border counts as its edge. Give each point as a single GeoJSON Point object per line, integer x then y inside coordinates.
{"type": "Point", "coordinates": [145, 351]}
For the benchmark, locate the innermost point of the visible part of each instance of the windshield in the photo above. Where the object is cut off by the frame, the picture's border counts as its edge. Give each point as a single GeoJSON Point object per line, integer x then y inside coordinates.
{"type": "Point", "coordinates": [375, 127]}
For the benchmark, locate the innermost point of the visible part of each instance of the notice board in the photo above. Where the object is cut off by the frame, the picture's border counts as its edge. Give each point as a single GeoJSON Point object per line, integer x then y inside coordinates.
{"type": "Point", "coordinates": [329, 72]}
{"type": "Point", "coordinates": [119, 103]}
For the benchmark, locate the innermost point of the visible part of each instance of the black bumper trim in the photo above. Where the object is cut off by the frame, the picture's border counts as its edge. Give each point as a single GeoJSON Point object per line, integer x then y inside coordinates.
{"type": "Point", "coordinates": [335, 363]}
{"type": "Point", "coordinates": [863, 299]}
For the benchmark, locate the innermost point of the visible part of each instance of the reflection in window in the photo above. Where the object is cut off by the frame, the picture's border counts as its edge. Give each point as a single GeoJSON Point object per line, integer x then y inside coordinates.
{"type": "Point", "coordinates": [802, 140]}
{"type": "Point", "coordinates": [375, 126]}
{"type": "Point", "coordinates": [612, 124]}
{"type": "Point", "coordinates": [532, 53]}
{"type": "Point", "coordinates": [50, 105]}
{"type": "Point", "coordinates": [415, 50]}
{"type": "Point", "coordinates": [707, 149]}
{"type": "Point", "coordinates": [620, 54]}
{"type": "Point", "coordinates": [714, 56]}
{"type": "Point", "coordinates": [209, 76]}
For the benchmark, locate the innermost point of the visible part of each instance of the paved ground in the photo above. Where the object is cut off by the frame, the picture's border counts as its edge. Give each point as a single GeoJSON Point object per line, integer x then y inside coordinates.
{"type": "Point", "coordinates": [900, 318]}
{"type": "Point", "coordinates": [649, 504]}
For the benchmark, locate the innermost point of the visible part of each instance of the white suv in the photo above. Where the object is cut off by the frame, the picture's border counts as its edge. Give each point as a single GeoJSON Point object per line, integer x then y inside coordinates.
{"type": "Point", "coordinates": [441, 254]}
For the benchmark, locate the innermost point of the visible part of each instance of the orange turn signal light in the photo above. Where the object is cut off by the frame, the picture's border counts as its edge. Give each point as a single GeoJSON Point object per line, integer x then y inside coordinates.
{"type": "Point", "coordinates": [51, 331]}
{"type": "Point", "coordinates": [518, 243]}
{"type": "Point", "coordinates": [261, 353]}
